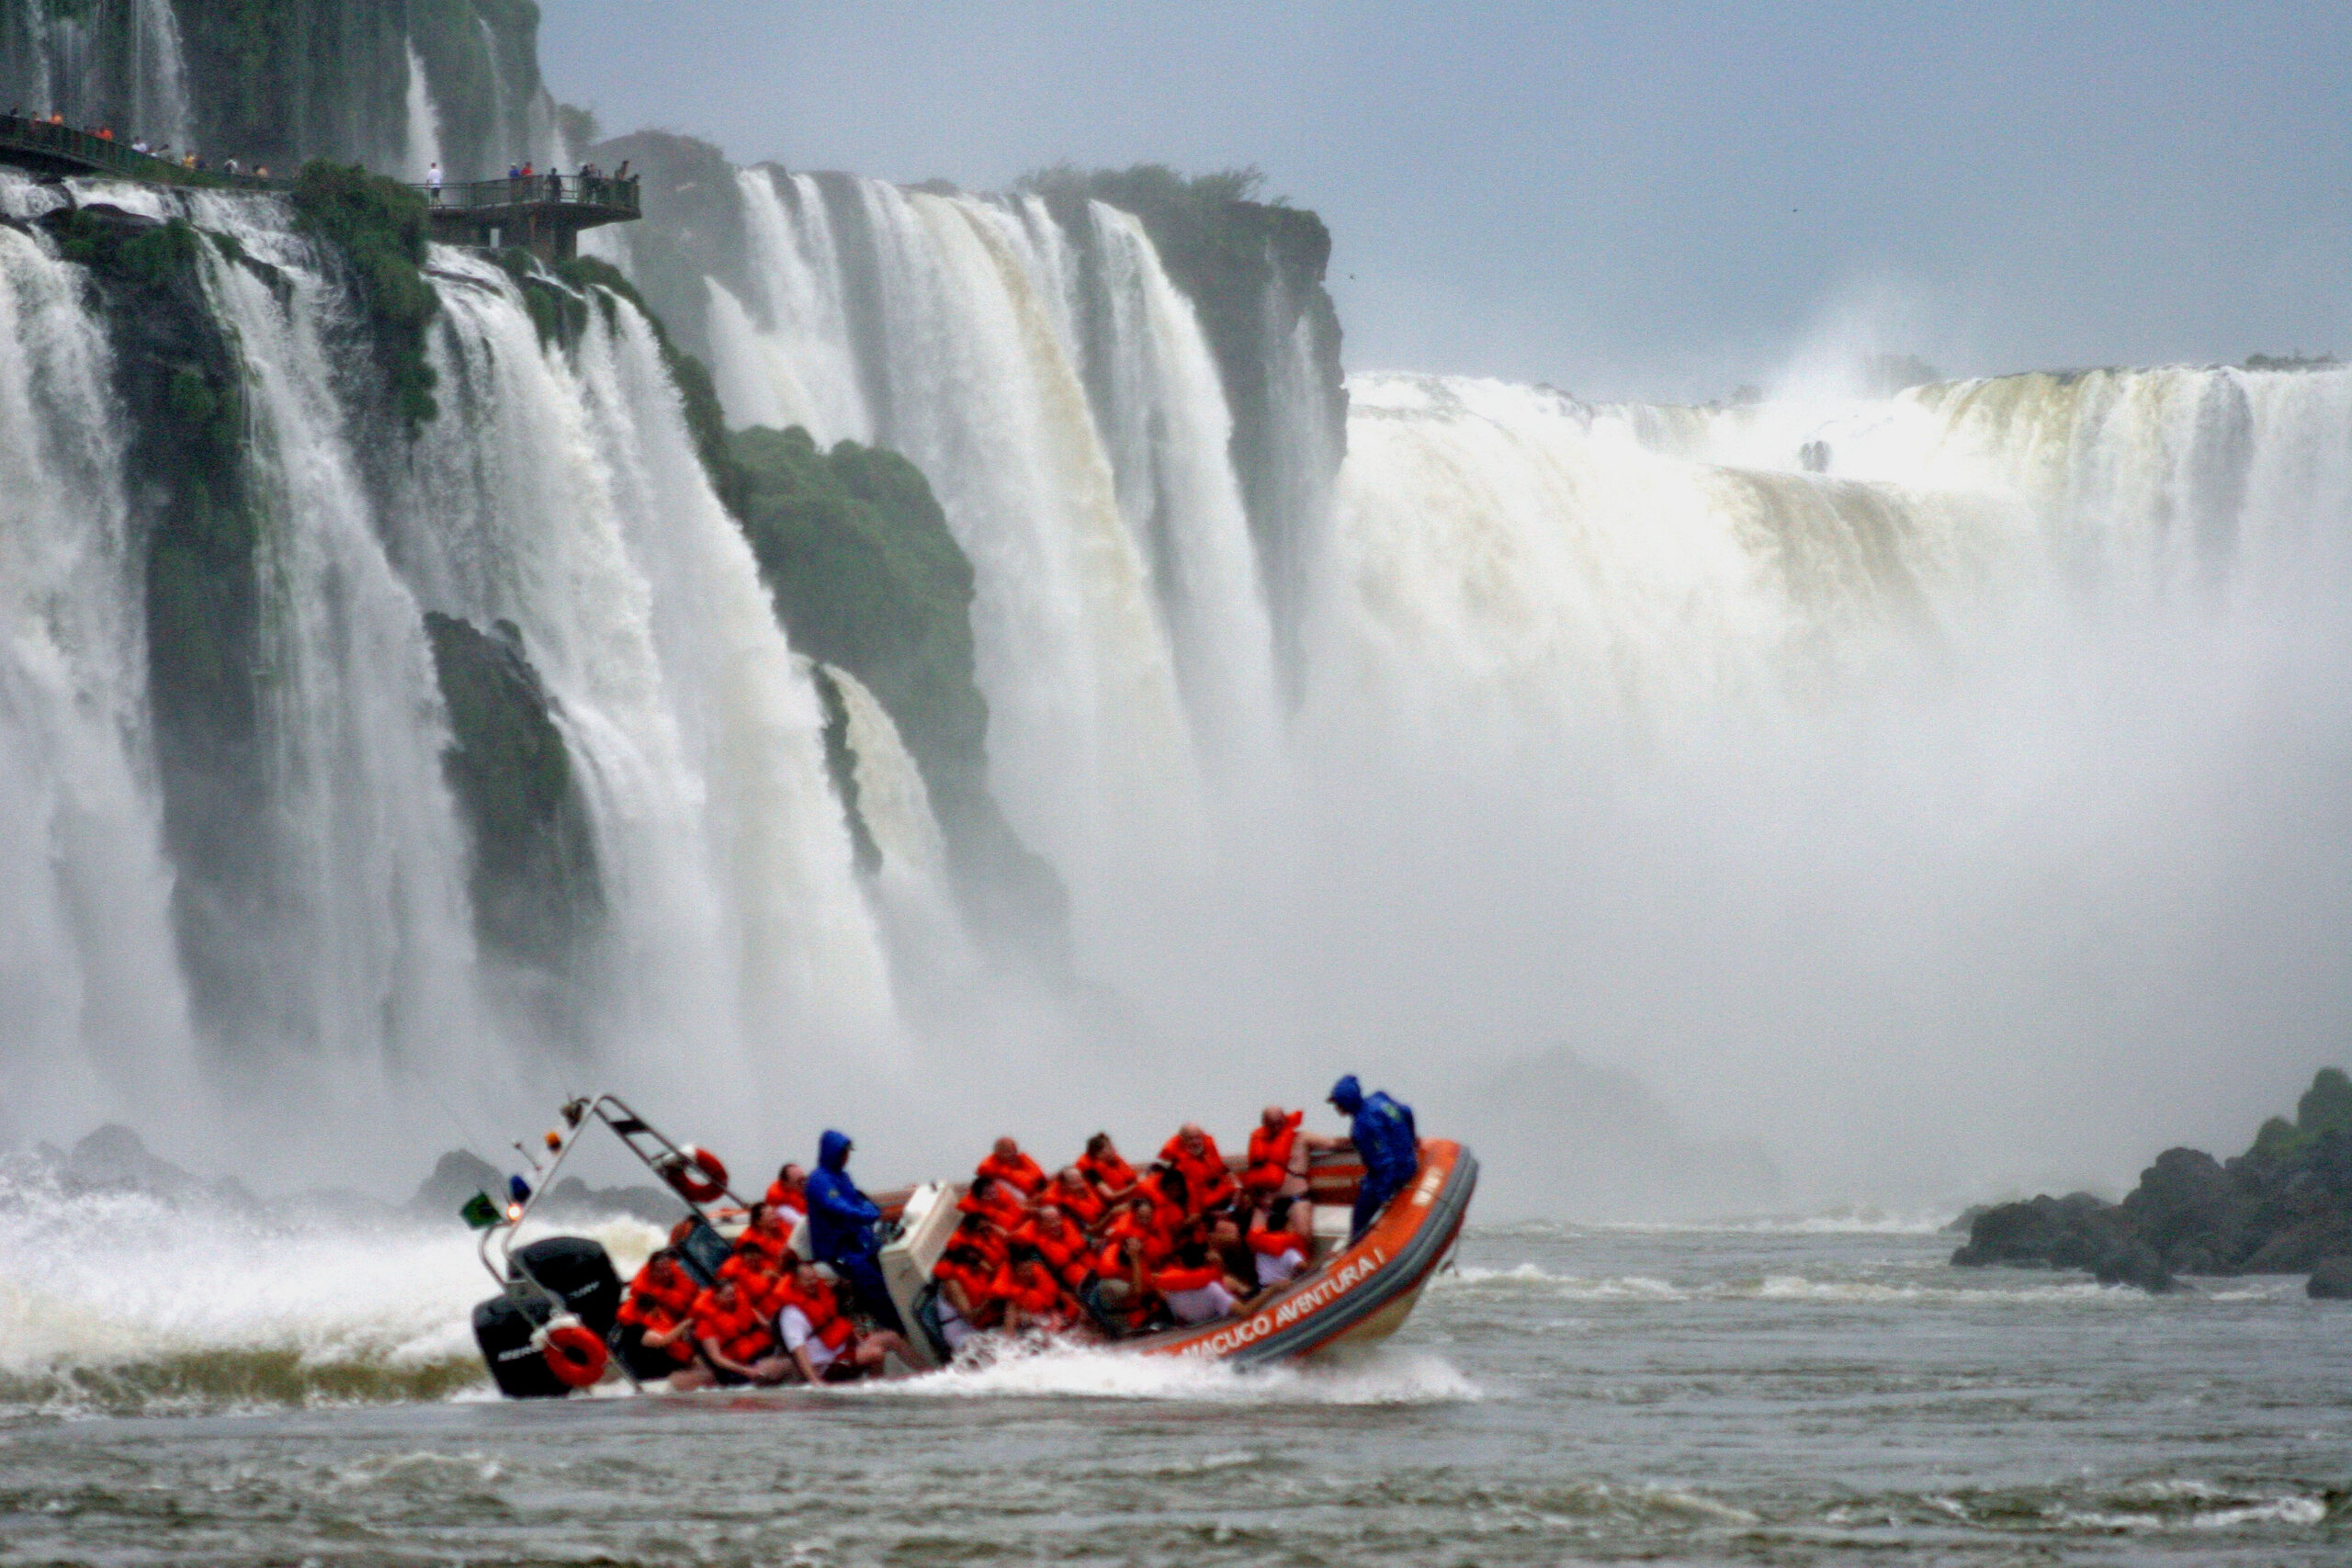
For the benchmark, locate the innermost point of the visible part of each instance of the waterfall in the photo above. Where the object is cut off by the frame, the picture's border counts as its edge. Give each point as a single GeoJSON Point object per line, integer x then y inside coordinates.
{"type": "Point", "coordinates": [423, 140]}
{"type": "Point", "coordinates": [966, 366]}
{"type": "Point", "coordinates": [97, 1015]}
{"type": "Point", "coordinates": [911, 883]}
{"type": "Point", "coordinates": [558, 490]}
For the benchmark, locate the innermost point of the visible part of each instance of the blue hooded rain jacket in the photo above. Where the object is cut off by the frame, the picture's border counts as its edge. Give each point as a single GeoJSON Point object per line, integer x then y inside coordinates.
{"type": "Point", "coordinates": [840, 1217]}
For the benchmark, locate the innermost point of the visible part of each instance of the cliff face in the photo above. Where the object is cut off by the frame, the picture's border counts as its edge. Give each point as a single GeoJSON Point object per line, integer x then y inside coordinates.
{"type": "Point", "coordinates": [277, 81]}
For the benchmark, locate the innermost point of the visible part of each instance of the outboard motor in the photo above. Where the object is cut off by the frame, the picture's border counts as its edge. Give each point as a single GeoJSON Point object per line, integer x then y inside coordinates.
{"type": "Point", "coordinates": [507, 1327]}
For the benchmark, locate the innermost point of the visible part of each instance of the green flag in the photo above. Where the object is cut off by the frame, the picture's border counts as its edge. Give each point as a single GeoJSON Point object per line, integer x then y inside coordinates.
{"type": "Point", "coordinates": [479, 1212]}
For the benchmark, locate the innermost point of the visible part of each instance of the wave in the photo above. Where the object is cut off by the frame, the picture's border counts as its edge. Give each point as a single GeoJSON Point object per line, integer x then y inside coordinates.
{"type": "Point", "coordinates": [1387, 1376]}
{"type": "Point", "coordinates": [124, 1303]}
{"type": "Point", "coordinates": [1981, 1289]}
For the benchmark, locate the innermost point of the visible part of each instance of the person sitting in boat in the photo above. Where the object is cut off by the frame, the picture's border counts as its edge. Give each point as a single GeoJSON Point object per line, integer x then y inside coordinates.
{"type": "Point", "coordinates": [1015, 1170]}
{"type": "Point", "coordinates": [732, 1338]}
{"type": "Point", "coordinates": [967, 1302]}
{"type": "Point", "coordinates": [840, 1228]}
{"type": "Point", "coordinates": [1196, 1285]}
{"type": "Point", "coordinates": [1383, 1133]}
{"type": "Point", "coordinates": [821, 1340]}
{"type": "Point", "coordinates": [998, 1199]}
{"type": "Point", "coordinates": [653, 1334]}
{"type": "Point", "coordinates": [983, 1233]}
{"type": "Point", "coordinates": [1076, 1198]}
{"type": "Point", "coordinates": [1172, 1197]}
{"type": "Point", "coordinates": [1113, 1177]}
{"type": "Point", "coordinates": [790, 1191]}
{"type": "Point", "coordinates": [769, 1234]}
{"type": "Point", "coordinates": [1277, 1251]}
{"type": "Point", "coordinates": [1034, 1301]}
{"type": "Point", "coordinates": [1195, 1152]}
{"type": "Point", "coordinates": [1276, 1165]}
{"type": "Point", "coordinates": [1062, 1243]}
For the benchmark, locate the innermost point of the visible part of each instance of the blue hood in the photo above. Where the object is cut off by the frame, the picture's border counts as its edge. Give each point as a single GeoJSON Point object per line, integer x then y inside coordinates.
{"type": "Point", "coordinates": [832, 1150]}
{"type": "Point", "coordinates": [1348, 1095]}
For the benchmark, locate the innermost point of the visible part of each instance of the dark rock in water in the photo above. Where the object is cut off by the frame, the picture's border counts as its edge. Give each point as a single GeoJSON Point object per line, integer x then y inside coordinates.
{"type": "Point", "coordinates": [456, 1178]}
{"type": "Point", "coordinates": [1965, 1220]}
{"type": "Point", "coordinates": [114, 1160]}
{"type": "Point", "coordinates": [2187, 1208]}
{"type": "Point", "coordinates": [2332, 1280]}
{"type": "Point", "coordinates": [2283, 1206]}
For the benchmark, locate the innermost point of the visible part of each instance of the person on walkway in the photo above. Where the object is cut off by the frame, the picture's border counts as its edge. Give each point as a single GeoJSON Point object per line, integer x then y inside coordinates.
{"type": "Point", "coordinates": [433, 181]}
{"type": "Point", "coordinates": [1386, 1140]}
{"type": "Point", "coordinates": [840, 1228]}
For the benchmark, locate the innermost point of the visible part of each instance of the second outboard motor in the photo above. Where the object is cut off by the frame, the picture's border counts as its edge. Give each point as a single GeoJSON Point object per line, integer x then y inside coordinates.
{"type": "Point", "coordinates": [506, 1327]}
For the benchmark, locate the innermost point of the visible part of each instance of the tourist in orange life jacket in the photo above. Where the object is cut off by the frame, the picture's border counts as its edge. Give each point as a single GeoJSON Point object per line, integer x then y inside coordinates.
{"type": "Point", "coordinates": [1124, 1294]}
{"type": "Point", "coordinates": [999, 1200]}
{"type": "Point", "coordinates": [790, 1191]}
{"type": "Point", "coordinates": [769, 1233]}
{"type": "Point", "coordinates": [1195, 1152]}
{"type": "Point", "coordinates": [733, 1339]}
{"type": "Point", "coordinates": [1171, 1195]}
{"type": "Point", "coordinates": [1196, 1285]}
{"type": "Point", "coordinates": [1034, 1301]}
{"type": "Point", "coordinates": [655, 1322]}
{"type": "Point", "coordinates": [1113, 1177]}
{"type": "Point", "coordinates": [967, 1301]}
{"type": "Point", "coordinates": [1015, 1170]}
{"type": "Point", "coordinates": [977, 1231]}
{"type": "Point", "coordinates": [1277, 1164]}
{"type": "Point", "coordinates": [1278, 1251]}
{"type": "Point", "coordinates": [821, 1340]}
{"type": "Point", "coordinates": [1076, 1197]}
{"type": "Point", "coordinates": [1151, 1227]}
{"type": "Point", "coordinates": [1062, 1243]}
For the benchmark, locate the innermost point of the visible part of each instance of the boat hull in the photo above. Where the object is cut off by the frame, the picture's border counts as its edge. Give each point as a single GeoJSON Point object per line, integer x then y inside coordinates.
{"type": "Point", "coordinates": [1359, 1296]}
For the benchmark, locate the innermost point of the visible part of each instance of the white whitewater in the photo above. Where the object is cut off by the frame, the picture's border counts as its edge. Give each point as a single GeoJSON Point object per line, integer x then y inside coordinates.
{"type": "Point", "coordinates": [88, 977]}
{"type": "Point", "coordinates": [423, 138]}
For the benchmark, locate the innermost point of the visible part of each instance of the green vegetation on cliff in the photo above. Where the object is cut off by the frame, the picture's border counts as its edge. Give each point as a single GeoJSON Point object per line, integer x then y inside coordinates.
{"type": "Point", "coordinates": [866, 576]}
{"type": "Point", "coordinates": [534, 871]}
{"type": "Point", "coordinates": [380, 227]}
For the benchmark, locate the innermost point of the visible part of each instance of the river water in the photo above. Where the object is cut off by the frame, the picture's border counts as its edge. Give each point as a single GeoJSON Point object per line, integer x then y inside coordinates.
{"type": "Point", "coordinates": [1811, 1392]}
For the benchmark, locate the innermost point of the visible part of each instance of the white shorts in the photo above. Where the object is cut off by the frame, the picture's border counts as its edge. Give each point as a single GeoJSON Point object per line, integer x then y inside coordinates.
{"type": "Point", "coordinates": [1211, 1300]}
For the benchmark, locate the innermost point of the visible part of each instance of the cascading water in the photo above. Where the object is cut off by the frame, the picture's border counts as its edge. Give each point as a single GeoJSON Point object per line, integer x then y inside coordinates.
{"type": "Point", "coordinates": [116, 63]}
{"type": "Point", "coordinates": [559, 490]}
{"type": "Point", "coordinates": [96, 1014]}
{"type": "Point", "coordinates": [423, 121]}
{"type": "Point", "coordinates": [968, 370]}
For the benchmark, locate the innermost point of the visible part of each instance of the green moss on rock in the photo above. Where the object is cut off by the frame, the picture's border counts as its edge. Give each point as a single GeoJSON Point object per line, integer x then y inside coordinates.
{"type": "Point", "coordinates": [534, 870]}
{"type": "Point", "coordinates": [866, 576]}
{"type": "Point", "coordinates": [378, 225]}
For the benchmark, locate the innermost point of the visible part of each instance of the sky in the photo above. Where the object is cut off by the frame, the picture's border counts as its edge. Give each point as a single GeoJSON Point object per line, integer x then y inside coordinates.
{"type": "Point", "coordinates": [1655, 199]}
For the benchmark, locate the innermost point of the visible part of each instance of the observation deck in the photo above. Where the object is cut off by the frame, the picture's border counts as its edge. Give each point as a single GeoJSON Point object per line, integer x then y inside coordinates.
{"type": "Point", "coordinates": [542, 213]}
{"type": "Point", "coordinates": [45, 149]}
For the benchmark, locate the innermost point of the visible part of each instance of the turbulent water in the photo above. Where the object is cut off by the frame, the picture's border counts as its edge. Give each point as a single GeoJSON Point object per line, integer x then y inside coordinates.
{"type": "Point", "coordinates": [207, 1389]}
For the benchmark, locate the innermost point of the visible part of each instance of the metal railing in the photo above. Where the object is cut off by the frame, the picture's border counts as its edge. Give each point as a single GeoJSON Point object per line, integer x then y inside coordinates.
{"type": "Point", "coordinates": [100, 154]}
{"type": "Point", "coordinates": [603, 192]}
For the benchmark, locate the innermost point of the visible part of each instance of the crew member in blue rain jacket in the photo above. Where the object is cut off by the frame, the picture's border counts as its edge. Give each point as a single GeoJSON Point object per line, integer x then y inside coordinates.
{"type": "Point", "coordinates": [1381, 1130]}
{"type": "Point", "coordinates": [840, 1228]}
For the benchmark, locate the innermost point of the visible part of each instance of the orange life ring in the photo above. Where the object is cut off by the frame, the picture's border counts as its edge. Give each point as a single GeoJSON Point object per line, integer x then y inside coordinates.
{"type": "Point", "coordinates": [575, 1356]}
{"type": "Point", "coordinates": [697, 1174]}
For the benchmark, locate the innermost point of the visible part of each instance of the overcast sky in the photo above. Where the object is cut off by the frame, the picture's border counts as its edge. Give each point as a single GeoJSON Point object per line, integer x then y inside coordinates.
{"type": "Point", "coordinates": [1655, 198]}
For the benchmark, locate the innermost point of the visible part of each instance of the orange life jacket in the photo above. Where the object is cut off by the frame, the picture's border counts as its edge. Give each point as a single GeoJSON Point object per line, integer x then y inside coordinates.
{"type": "Point", "coordinates": [791, 1202]}
{"type": "Point", "coordinates": [770, 1246]}
{"type": "Point", "coordinates": [1269, 1152]}
{"type": "Point", "coordinates": [1004, 1208]}
{"type": "Point", "coordinates": [1206, 1181]}
{"type": "Point", "coordinates": [1273, 1243]}
{"type": "Point", "coordinates": [741, 1335]}
{"type": "Point", "coordinates": [1166, 1280]}
{"type": "Point", "coordinates": [1065, 1253]}
{"type": "Point", "coordinates": [1020, 1172]}
{"type": "Point", "coordinates": [657, 1310]}
{"type": "Point", "coordinates": [823, 1311]}
{"type": "Point", "coordinates": [977, 1279]}
{"type": "Point", "coordinates": [1085, 1205]}
{"type": "Point", "coordinates": [1108, 1172]}
{"type": "Point", "coordinates": [676, 1297]}
{"type": "Point", "coordinates": [1155, 1243]}
{"type": "Point", "coordinates": [1041, 1295]}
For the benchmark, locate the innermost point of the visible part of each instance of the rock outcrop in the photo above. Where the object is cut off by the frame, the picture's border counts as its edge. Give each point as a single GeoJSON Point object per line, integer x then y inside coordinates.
{"type": "Point", "coordinates": [2283, 1207]}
